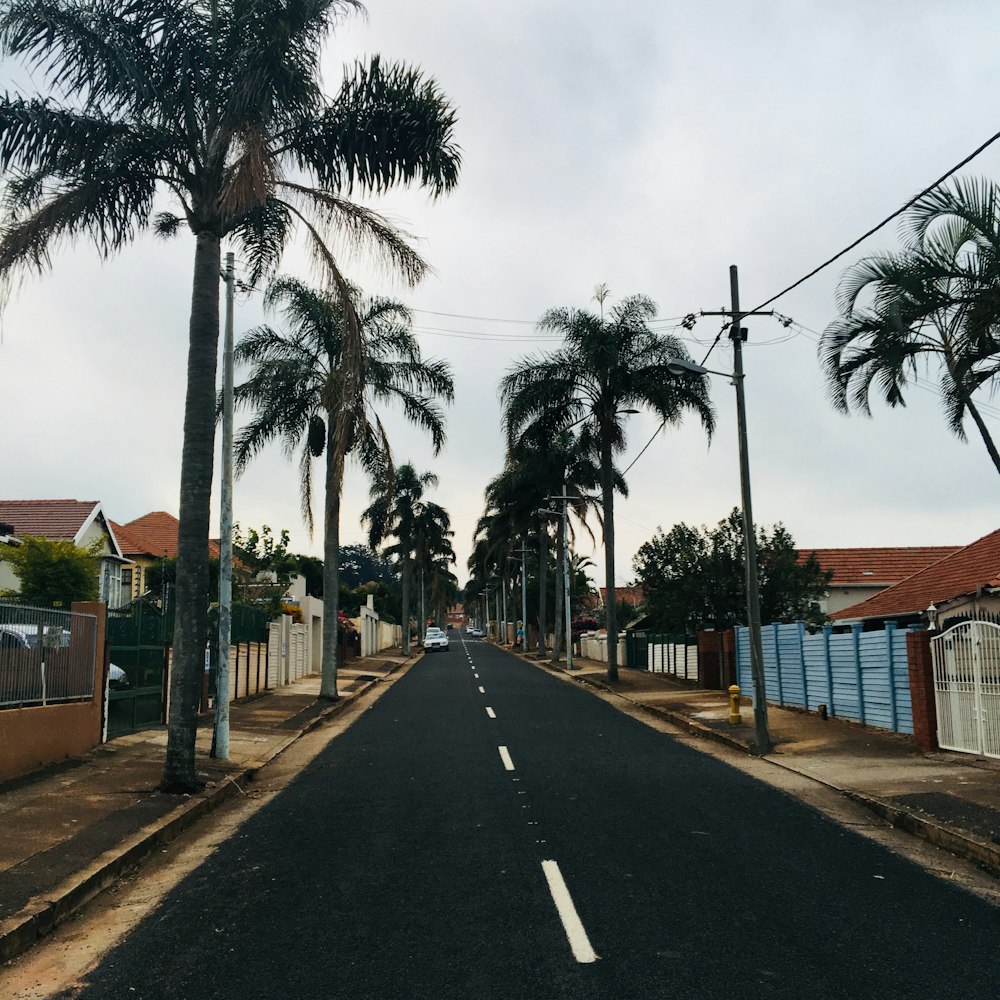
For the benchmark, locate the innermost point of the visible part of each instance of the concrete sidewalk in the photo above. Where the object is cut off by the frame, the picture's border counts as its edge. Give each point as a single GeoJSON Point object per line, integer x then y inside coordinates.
{"type": "Point", "coordinates": [69, 830]}
{"type": "Point", "coordinates": [949, 799]}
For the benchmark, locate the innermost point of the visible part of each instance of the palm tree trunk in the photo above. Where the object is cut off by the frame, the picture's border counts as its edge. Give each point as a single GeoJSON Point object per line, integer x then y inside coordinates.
{"type": "Point", "coordinates": [608, 502]}
{"type": "Point", "coordinates": [984, 433]}
{"type": "Point", "coordinates": [543, 566]}
{"type": "Point", "coordinates": [331, 574]}
{"type": "Point", "coordinates": [406, 607]}
{"type": "Point", "coordinates": [191, 623]}
{"type": "Point", "coordinates": [557, 625]}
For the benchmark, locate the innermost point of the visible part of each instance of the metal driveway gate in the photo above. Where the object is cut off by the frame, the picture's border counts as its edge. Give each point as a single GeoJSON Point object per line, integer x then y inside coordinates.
{"type": "Point", "coordinates": [967, 688]}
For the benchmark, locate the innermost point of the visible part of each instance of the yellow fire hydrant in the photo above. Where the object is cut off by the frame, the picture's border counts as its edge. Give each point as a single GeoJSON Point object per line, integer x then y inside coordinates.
{"type": "Point", "coordinates": [734, 705]}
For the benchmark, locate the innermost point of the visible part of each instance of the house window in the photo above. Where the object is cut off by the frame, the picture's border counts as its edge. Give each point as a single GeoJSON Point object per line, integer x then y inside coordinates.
{"type": "Point", "coordinates": [127, 582]}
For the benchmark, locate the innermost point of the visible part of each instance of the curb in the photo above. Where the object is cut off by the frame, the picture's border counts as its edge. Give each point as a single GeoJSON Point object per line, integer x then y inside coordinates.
{"type": "Point", "coordinates": [984, 854]}
{"type": "Point", "coordinates": [44, 913]}
{"type": "Point", "coordinates": [957, 842]}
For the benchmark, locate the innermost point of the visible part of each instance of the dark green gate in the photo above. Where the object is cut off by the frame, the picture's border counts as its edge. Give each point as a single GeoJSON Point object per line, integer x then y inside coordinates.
{"type": "Point", "coordinates": [138, 635]}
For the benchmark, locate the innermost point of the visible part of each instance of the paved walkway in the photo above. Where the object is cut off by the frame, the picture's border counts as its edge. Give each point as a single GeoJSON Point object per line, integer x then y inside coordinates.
{"type": "Point", "coordinates": [70, 830]}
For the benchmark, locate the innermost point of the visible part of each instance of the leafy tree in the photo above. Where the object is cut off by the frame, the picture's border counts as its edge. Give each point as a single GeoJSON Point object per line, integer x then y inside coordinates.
{"type": "Point", "coordinates": [311, 568]}
{"type": "Point", "coordinates": [262, 568]}
{"type": "Point", "coordinates": [609, 363]}
{"type": "Point", "coordinates": [936, 300]}
{"type": "Point", "coordinates": [361, 564]}
{"type": "Point", "coordinates": [52, 573]}
{"type": "Point", "coordinates": [695, 578]}
{"type": "Point", "coordinates": [220, 108]}
{"type": "Point", "coordinates": [161, 582]}
{"type": "Point", "coordinates": [297, 393]}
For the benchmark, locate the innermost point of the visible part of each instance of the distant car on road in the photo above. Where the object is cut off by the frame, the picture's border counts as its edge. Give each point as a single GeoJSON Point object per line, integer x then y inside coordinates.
{"type": "Point", "coordinates": [435, 638]}
{"type": "Point", "coordinates": [473, 630]}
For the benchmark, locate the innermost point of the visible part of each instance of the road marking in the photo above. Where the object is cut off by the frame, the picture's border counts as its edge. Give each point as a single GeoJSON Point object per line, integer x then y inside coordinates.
{"type": "Point", "coordinates": [490, 712]}
{"type": "Point", "coordinates": [578, 940]}
{"type": "Point", "coordinates": [482, 690]}
{"type": "Point", "coordinates": [505, 757]}
{"type": "Point", "coordinates": [476, 676]}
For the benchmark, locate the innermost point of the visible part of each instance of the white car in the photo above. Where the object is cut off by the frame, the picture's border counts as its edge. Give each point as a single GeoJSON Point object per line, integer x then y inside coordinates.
{"type": "Point", "coordinates": [435, 638]}
{"type": "Point", "coordinates": [477, 632]}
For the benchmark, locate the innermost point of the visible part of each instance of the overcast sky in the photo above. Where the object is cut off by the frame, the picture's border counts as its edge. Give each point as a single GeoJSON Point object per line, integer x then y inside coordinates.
{"type": "Point", "coordinates": [648, 146]}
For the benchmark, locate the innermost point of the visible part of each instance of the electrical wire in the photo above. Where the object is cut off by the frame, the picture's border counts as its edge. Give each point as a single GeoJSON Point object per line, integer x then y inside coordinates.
{"type": "Point", "coordinates": [899, 211]}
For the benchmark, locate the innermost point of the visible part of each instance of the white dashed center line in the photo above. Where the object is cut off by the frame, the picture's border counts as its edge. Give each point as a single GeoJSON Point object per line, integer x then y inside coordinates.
{"type": "Point", "coordinates": [490, 712]}
{"type": "Point", "coordinates": [508, 764]}
{"type": "Point", "coordinates": [578, 940]}
{"type": "Point", "coordinates": [482, 690]}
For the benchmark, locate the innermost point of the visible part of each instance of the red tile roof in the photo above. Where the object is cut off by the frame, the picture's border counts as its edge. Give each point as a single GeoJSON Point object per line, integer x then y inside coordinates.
{"type": "Point", "coordinates": [884, 566]}
{"type": "Point", "coordinates": [155, 535]}
{"type": "Point", "coordinates": [53, 519]}
{"type": "Point", "coordinates": [630, 595]}
{"type": "Point", "coordinates": [956, 575]}
{"type": "Point", "coordinates": [877, 566]}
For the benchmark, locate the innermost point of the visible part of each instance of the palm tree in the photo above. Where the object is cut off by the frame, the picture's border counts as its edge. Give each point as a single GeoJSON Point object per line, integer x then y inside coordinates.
{"type": "Point", "coordinates": [218, 107]}
{"type": "Point", "coordinates": [432, 548]}
{"type": "Point", "coordinates": [296, 392]}
{"type": "Point", "coordinates": [536, 470]}
{"type": "Point", "coordinates": [394, 512]}
{"type": "Point", "coordinates": [608, 364]}
{"type": "Point", "coordinates": [937, 298]}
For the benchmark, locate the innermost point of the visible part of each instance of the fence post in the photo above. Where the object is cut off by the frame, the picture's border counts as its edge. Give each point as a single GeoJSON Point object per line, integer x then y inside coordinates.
{"type": "Point", "coordinates": [856, 636]}
{"type": "Point", "coordinates": [777, 664]}
{"type": "Point", "coordinates": [802, 664]}
{"type": "Point", "coordinates": [827, 632]}
{"type": "Point", "coordinates": [890, 628]}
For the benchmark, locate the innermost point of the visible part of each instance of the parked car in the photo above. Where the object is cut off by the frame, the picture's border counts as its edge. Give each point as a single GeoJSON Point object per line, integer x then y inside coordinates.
{"type": "Point", "coordinates": [435, 638]}
{"type": "Point", "coordinates": [14, 635]}
{"type": "Point", "coordinates": [17, 636]}
{"type": "Point", "coordinates": [475, 631]}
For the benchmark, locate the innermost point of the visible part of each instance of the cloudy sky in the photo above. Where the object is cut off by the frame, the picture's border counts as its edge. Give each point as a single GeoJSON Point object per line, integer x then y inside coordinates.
{"type": "Point", "coordinates": [649, 146]}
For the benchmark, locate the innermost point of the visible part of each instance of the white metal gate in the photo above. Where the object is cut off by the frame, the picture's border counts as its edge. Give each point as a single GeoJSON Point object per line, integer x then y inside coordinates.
{"type": "Point", "coordinates": [967, 688]}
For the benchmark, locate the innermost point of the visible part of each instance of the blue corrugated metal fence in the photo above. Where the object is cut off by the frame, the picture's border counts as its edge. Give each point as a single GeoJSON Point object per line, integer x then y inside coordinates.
{"type": "Point", "coordinates": [857, 675]}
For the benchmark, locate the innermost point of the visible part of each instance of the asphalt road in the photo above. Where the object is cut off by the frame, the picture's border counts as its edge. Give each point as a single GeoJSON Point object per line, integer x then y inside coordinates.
{"type": "Point", "coordinates": [410, 861]}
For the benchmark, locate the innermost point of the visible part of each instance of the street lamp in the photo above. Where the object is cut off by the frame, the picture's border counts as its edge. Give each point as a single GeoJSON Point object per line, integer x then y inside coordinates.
{"type": "Point", "coordinates": [762, 736]}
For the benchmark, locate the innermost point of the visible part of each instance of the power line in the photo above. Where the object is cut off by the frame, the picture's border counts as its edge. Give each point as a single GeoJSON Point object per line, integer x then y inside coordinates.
{"type": "Point", "coordinates": [882, 224]}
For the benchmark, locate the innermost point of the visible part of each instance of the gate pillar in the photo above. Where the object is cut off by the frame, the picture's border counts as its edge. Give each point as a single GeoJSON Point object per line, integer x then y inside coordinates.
{"type": "Point", "coordinates": [921, 670]}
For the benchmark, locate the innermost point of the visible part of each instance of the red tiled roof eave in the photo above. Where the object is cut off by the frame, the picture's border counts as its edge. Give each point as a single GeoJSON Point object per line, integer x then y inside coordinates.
{"type": "Point", "coordinates": [962, 573]}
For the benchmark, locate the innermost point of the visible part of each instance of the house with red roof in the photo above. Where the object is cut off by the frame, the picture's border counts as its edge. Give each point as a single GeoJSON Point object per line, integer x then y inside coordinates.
{"type": "Point", "coordinates": [146, 542]}
{"type": "Point", "coordinates": [82, 522]}
{"type": "Point", "coordinates": [862, 573]}
{"type": "Point", "coordinates": [623, 595]}
{"type": "Point", "coordinates": [965, 582]}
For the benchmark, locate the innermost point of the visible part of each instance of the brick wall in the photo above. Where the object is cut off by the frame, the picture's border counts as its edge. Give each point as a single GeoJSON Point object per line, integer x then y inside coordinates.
{"type": "Point", "coordinates": [918, 656]}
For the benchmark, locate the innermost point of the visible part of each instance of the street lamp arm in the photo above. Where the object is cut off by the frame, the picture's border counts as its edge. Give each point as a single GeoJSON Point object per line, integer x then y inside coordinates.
{"type": "Point", "coordinates": [680, 366]}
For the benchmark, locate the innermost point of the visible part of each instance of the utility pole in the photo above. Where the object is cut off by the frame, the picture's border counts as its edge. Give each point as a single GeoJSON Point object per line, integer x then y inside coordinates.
{"type": "Point", "coordinates": [564, 538]}
{"type": "Point", "coordinates": [737, 335]}
{"type": "Point", "coordinates": [524, 597]}
{"type": "Point", "coordinates": [220, 735]}
{"type": "Point", "coordinates": [503, 588]}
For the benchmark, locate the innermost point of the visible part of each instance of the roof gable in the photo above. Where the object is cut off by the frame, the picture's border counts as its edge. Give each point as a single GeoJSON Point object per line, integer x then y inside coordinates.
{"type": "Point", "coordinates": [155, 535]}
{"type": "Point", "coordinates": [962, 572]}
{"type": "Point", "coordinates": [53, 519]}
